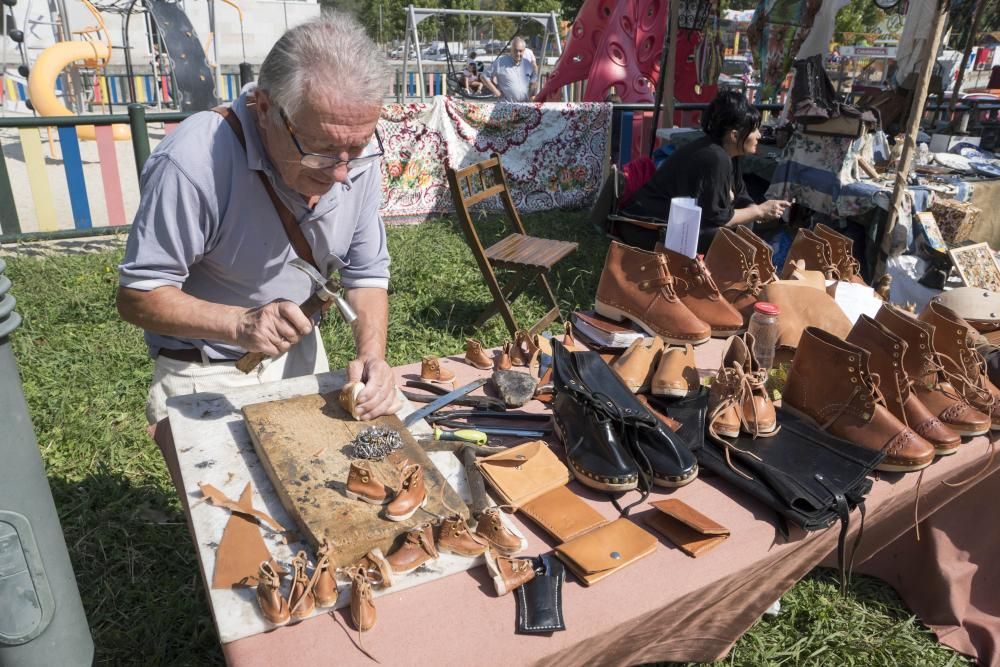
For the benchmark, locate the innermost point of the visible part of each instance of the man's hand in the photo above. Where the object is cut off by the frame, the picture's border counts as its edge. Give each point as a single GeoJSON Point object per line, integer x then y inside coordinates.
{"type": "Point", "coordinates": [272, 328]}
{"type": "Point", "coordinates": [773, 209]}
{"type": "Point", "coordinates": [379, 395]}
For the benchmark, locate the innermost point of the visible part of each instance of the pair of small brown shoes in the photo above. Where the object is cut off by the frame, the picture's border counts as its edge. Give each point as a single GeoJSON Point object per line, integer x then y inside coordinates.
{"type": "Point", "coordinates": [738, 399]}
{"type": "Point", "coordinates": [307, 593]}
{"type": "Point", "coordinates": [651, 365]}
{"type": "Point", "coordinates": [411, 496]}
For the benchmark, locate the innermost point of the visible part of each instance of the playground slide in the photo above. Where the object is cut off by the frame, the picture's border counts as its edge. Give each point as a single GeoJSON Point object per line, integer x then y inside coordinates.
{"type": "Point", "coordinates": [42, 82]}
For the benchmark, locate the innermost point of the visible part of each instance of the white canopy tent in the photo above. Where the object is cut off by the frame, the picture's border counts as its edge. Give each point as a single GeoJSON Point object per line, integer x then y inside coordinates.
{"type": "Point", "coordinates": [414, 15]}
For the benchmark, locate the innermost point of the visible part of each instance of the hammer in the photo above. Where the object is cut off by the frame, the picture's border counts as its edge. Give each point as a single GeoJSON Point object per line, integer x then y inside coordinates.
{"type": "Point", "coordinates": [327, 289]}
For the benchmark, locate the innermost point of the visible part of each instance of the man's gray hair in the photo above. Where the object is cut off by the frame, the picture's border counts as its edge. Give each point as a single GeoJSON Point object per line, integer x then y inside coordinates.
{"type": "Point", "coordinates": [518, 40]}
{"type": "Point", "coordinates": [332, 53]}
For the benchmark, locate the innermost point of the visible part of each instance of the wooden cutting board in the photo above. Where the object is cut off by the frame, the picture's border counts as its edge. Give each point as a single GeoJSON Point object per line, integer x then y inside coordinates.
{"type": "Point", "coordinates": [304, 445]}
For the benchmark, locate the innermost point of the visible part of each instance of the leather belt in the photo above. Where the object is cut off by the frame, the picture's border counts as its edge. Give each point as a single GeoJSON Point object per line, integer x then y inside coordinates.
{"type": "Point", "coordinates": [190, 355]}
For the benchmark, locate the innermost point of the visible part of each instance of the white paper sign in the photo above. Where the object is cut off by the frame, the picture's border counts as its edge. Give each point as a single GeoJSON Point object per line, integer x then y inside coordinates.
{"type": "Point", "coordinates": [683, 226]}
{"type": "Point", "coordinates": [857, 300]}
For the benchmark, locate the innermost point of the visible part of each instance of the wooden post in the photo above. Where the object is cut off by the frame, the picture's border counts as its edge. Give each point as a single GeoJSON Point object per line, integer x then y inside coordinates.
{"type": "Point", "coordinates": [977, 15]}
{"type": "Point", "coordinates": [916, 112]}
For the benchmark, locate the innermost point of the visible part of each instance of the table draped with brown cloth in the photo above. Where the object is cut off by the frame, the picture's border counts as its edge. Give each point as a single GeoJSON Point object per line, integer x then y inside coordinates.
{"type": "Point", "coordinates": [670, 607]}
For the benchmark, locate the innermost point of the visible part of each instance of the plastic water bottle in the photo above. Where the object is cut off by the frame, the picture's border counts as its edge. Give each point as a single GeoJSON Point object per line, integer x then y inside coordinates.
{"type": "Point", "coordinates": [764, 329]}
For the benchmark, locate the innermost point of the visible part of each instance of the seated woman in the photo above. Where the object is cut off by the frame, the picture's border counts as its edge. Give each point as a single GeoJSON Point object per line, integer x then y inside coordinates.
{"type": "Point", "coordinates": [707, 170]}
{"type": "Point", "coordinates": [470, 78]}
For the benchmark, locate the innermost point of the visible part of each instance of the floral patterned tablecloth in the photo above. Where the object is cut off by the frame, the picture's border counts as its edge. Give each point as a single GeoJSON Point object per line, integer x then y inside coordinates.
{"type": "Point", "coordinates": [554, 154]}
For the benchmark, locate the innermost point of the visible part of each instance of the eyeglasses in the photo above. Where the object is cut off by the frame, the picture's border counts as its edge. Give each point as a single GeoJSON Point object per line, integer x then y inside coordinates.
{"type": "Point", "coordinates": [320, 161]}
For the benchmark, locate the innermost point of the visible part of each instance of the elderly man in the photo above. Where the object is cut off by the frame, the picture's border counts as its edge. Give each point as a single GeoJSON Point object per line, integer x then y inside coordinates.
{"type": "Point", "coordinates": [512, 76]}
{"type": "Point", "coordinates": [206, 271]}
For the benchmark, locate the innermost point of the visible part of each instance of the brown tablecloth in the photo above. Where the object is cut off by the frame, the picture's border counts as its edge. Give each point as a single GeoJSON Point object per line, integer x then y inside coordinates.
{"type": "Point", "coordinates": [669, 607]}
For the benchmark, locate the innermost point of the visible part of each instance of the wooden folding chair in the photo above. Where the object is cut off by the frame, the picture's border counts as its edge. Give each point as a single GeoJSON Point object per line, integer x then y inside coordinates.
{"type": "Point", "coordinates": [526, 258]}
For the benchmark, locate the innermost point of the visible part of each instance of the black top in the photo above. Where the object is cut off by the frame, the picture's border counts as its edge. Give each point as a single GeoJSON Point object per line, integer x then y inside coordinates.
{"type": "Point", "coordinates": [703, 170]}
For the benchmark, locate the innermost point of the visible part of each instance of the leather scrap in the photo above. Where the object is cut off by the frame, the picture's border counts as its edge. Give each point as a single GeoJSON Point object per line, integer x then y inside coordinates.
{"type": "Point", "coordinates": [219, 499]}
{"type": "Point", "coordinates": [242, 549]}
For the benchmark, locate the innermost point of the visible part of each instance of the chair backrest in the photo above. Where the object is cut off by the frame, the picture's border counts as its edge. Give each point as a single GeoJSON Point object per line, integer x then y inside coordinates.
{"type": "Point", "coordinates": [476, 183]}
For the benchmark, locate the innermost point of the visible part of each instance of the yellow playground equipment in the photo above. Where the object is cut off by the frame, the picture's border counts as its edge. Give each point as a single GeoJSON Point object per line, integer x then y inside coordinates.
{"type": "Point", "coordinates": [95, 52]}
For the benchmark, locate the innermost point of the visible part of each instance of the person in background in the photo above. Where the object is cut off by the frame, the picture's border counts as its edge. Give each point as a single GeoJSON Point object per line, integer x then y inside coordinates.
{"type": "Point", "coordinates": [708, 170]}
{"type": "Point", "coordinates": [470, 75]}
{"type": "Point", "coordinates": [512, 77]}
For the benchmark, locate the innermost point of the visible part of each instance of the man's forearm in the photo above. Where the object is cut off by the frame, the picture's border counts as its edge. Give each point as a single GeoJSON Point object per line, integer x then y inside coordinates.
{"type": "Point", "coordinates": [742, 216]}
{"type": "Point", "coordinates": [169, 311]}
{"type": "Point", "coordinates": [372, 306]}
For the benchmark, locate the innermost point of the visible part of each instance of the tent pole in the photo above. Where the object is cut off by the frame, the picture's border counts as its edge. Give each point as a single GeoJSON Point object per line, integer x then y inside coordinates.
{"type": "Point", "coordinates": [977, 15]}
{"type": "Point", "coordinates": [668, 69]}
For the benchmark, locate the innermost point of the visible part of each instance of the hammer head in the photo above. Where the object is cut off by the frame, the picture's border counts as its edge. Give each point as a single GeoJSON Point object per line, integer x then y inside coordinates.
{"type": "Point", "coordinates": [328, 289]}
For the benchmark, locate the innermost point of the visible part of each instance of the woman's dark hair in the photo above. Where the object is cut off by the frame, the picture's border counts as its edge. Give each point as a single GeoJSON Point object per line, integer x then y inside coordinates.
{"type": "Point", "coordinates": [730, 110]}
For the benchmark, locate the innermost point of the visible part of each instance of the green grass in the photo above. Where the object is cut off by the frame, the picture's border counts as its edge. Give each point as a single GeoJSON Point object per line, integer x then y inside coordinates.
{"type": "Point", "coordinates": [85, 375]}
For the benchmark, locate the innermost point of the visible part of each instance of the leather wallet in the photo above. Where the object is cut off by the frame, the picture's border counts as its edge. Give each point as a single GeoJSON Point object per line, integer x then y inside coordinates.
{"type": "Point", "coordinates": [692, 532]}
{"type": "Point", "coordinates": [539, 602]}
{"type": "Point", "coordinates": [563, 514]}
{"type": "Point", "coordinates": [521, 474]}
{"type": "Point", "coordinates": [605, 550]}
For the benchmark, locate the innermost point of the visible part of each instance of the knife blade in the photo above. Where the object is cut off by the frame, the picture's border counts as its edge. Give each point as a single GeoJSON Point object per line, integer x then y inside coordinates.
{"type": "Point", "coordinates": [433, 406]}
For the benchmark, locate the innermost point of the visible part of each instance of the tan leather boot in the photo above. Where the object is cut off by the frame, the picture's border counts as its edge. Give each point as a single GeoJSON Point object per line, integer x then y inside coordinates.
{"type": "Point", "coordinates": [843, 255]}
{"type": "Point", "coordinates": [376, 563]}
{"type": "Point", "coordinates": [431, 371]}
{"type": "Point", "coordinates": [764, 257]}
{"type": "Point", "coordinates": [814, 251]}
{"type": "Point", "coordinates": [730, 258]}
{"type": "Point", "coordinates": [509, 573]}
{"type": "Point", "coordinates": [476, 356]}
{"type": "Point", "coordinates": [925, 371]}
{"type": "Point", "coordinates": [676, 375]}
{"type": "Point", "coordinates": [301, 601]}
{"type": "Point", "coordinates": [567, 340]}
{"type": "Point", "coordinates": [523, 349]}
{"type": "Point", "coordinates": [738, 399]}
{"type": "Point", "coordinates": [503, 363]}
{"type": "Point", "coordinates": [963, 364]}
{"type": "Point", "coordinates": [638, 285]}
{"type": "Point", "coordinates": [412, 494]}
{"type": "Point", "coordinates": [829, 385]}
{"type": "Point", "coordinates": [887, 360]}
{"type": "Point", "coordinates": [362, 603]}
{"type": "Point", "coordinates": [270, 601]}
{"type": "Point", "coordinates": [416, 549]}
{"type": "Point", "coordinates": [492, 529]}
{"type": "Point", "coordinates": [698, 291]}
{"type": "Point", "coordinates": [456, 538]}
{"type": "Point", "coordinates": [324, 582]}
{"type": "Point", "coordinates": [638, 363]}
{"type": "Point", "coordinates": [362, 485]}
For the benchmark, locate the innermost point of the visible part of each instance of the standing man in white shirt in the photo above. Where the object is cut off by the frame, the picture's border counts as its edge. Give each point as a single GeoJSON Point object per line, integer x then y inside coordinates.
{"type": "Point", "coordinates": [512, 76]}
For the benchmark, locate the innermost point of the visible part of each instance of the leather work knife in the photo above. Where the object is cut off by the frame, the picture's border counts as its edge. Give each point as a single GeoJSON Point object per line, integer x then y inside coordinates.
{"type": "Point", "coordinates": [448, 398]}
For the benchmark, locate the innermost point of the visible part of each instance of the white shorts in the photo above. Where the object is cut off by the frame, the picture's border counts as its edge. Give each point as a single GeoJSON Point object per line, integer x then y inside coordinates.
{"type": "Point", "coordinates": [178, 378]}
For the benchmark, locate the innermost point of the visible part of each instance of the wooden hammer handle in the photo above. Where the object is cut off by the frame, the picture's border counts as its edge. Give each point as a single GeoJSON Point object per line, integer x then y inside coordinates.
{"type": "Point", "coordinates": [252, 360]}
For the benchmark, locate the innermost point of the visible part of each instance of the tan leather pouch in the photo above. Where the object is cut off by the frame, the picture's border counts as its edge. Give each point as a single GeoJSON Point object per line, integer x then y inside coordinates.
{"type": "Point", "coordinates": [563, 514]}
{"type": "Point", "coordinates": [605, 550]}
{"type": "Point", "coordinates": [803, 306]}
{"type": "Point", "coordinates": [692, 532]}
{"type": "Point", "coordinates": [525, 472]}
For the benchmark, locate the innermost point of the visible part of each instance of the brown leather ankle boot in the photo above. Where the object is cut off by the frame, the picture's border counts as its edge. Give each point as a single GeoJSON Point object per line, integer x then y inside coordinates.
{"type": "Point", "coordinates": [523, 350]}
{"type": "Point", "coordinates": [375, 562]}
{"type": "Point", "coordinates": [925, 371]}
{"type": "Point", "coordinates": [492, 529]}
{"type": "Point", "coordinates": [843, 255]}
{"type": "Point", "coordinates": [456, 538]}
{"type": "Point", "coordinates": [638, 285]}
{"type": "Point", "coordinates": [698, 291]}
{"type": "Point", "coordinates": [416, 549]}
{"type": "Point", "coordinates": [476, 356]}
{"type": "Point", "coordinates": [830, 385]}
{"type": "Point", "coordinates": [567, 340]}
{"type": "Point", "coordinates": [362, 485]}
{"type": "Point", "coordinates": [431, 371]}
{"type": "Point", "coordinates": [638, 363]}
{"type": "Point", "coordinates": [324, 582]}
{"type": "Point", "coordinates": [764, 257]}
{"type": "Point", "coordinates": [504, 363]}
{"type": "Point", "coordinates": [509, 573]}
{"type": "Point", "coordinates": [270, 601]}
{"type": "Point", "coordinates": [730, 258]}
{"type": "Point", "coordinates": [887, 360]}
{"type": "Point", "coordinates": [963, 365]}
{"type": "Point", "coordinates": [737, 399]}
{"type": "Point", "coordinates": [814, 251]}
{"type": "Point", "coordinates": [412, 494]}
{"type": "Point", "coordinates": [301, 601]}
{"type": "Point", "coordinates": [362, 602]}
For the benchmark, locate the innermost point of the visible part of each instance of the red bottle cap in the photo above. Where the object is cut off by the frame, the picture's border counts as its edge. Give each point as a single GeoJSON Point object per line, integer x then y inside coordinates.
{"type": "Point", "coordinates": [766, 308]}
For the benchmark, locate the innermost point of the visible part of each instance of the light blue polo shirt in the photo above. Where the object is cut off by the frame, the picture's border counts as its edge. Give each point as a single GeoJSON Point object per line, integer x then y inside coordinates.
{"type": "Point", "coordinates": [206, 225]}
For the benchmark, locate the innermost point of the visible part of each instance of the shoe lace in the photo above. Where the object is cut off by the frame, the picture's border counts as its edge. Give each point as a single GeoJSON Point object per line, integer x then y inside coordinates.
{"type": "Point", "coordinates": [870, 382]}
{"type": "Point", "coordinates": [739, 385]}
{"type": "Point", "coordinates": [978, 368]}
{"type": "Point", "coordinates": [699, 275]}
{"type": "Point", "coordinates": [752, 283]}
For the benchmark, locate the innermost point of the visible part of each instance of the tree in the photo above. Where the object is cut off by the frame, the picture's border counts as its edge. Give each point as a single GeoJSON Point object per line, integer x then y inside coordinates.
{"type": "Point", "coordinates": [857, 18]}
